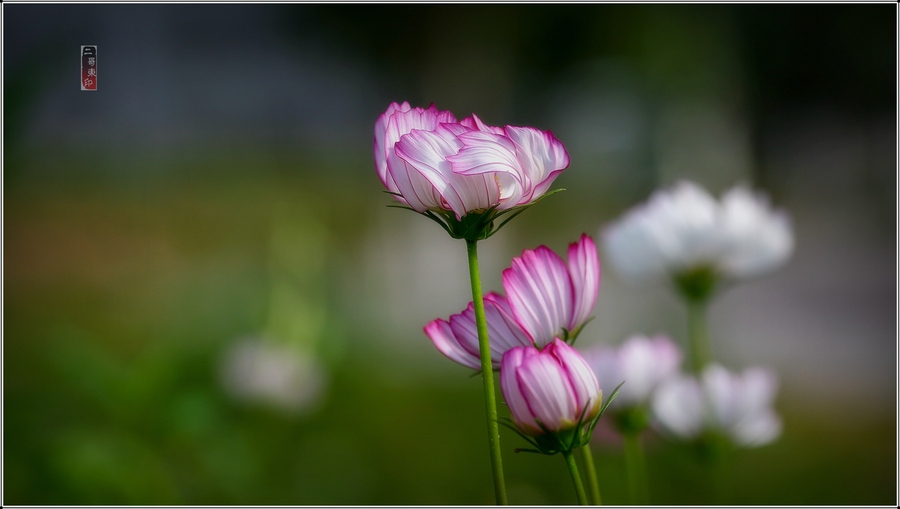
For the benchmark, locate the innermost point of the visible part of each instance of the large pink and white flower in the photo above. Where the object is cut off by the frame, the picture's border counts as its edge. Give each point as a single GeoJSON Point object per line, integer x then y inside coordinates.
{"type": "Point", "coordinates": [549, 390]}
{"type": "Point", "coordinates": [431, 161]}
{"type": "Point", "coordinates": [550, 297]}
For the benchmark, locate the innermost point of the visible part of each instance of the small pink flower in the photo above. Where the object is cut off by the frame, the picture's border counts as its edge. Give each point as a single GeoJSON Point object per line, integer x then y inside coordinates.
{"type": "Point", "coordinates": [458, 338]}
{"type": "Point", "coordinates": [549, 297]}
{"type": "Point", "coordinates": [549, 390]}
{"type": "Point", "coordinates": [432, 162]}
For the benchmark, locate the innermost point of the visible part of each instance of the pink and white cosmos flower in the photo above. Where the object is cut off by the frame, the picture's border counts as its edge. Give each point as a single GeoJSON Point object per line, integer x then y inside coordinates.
{"type": "Point", "coordinates": [550, 297]}
{"type": "Point", "coordinates": [431, 161]}
{"type": "Point", "coordinates": [546, 298]}
{"type": "Point", "coordinates": [549, 390]}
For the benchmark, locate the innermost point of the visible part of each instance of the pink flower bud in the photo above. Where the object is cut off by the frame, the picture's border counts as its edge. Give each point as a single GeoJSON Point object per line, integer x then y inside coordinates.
{"type": "Point", "coordinates": [549, 390]}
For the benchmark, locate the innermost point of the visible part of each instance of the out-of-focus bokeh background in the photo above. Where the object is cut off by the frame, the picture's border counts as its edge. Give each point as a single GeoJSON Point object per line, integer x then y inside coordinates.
{"type": "Point", "coordinates": [207, 301]}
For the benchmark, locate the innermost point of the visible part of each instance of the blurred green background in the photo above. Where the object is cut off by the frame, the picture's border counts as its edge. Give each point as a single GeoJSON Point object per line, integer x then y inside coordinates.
{"type": "Point", "coordinates": [207, 301]}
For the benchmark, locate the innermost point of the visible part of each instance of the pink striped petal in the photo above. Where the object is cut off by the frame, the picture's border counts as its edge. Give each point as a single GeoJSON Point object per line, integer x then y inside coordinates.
{"type": "Point", "coordinates": [490, 154]}
{"type": "Point", "coordinates": [417, 191]}
{"type": "Point", "coordinates": [503, 330]}
{"type": "Point", "coordinates": [428, 152]}
{"type": "Point", "coordinates": [381, 147]}
{"type": "Point", "coordinates": [541, 157]}
{"type": "Point", "coordinates": [584, 383]}
{"type": "Point", "coordinates": [540, 293]}
{"type": "Point", "coordinates": [548, 392]}
{"type": "Point", "coordinates": [584, 269]}
{"type": "Point", "coordinates": [512, 392]}
{"type": "Point", "coordinates": [442, 336]}
{"type": "Point", "coordinates": [474, 122]}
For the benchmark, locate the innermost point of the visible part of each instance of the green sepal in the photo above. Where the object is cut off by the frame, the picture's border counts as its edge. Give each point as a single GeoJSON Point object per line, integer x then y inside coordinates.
{"type": "Point", "coordinates": [475, 225]}
{"type": "Point", "coordinates": [518, 210]}
{"type": "Point", "coordinates": [611, 397]}
{"type": "Point", "coordinates": [570, 336]}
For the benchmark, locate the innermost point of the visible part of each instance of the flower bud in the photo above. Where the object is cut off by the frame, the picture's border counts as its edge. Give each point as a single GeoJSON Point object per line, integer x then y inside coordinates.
{"type": "Point", "coordinates": [550, 391]}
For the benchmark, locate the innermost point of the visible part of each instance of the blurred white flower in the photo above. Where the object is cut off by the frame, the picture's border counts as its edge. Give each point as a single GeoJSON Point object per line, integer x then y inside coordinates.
{"type": "Point", "coordinates": [738, 405]}
{"type": "Point", "coordinates": [641, 362]}
{"type": "Point", "coordinates": [755, 239]}
{"type": "Point", "coordinates": [257, 370]}
{"type": "Point", "coordinates": [683, 229]}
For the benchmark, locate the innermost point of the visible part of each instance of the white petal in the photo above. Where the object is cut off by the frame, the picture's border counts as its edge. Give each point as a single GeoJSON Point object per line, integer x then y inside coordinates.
{"type": "Point", "coordinates": [678, 406]}
{"type": "Point", "coordinates": [757, 240]}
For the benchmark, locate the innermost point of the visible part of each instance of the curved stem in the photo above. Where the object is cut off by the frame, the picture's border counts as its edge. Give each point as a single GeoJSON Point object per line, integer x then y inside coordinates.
{"type": "Point", "coordinates": [487, 375]}
{"type": "Point", "coordinates": [634, 465]}
{"type": "Point", "coordinates": [591, 474]}
{"type": "Point", "coordinates": [698, 336]}
{"type": "Point", "coordinates": [576, 479]}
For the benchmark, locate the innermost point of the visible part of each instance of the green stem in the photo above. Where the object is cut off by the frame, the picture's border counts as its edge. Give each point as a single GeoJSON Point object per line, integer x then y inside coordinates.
{"type": "Point", "coordinates": [576, 479]}
{"type": "Point", "coordinates": [487, 375]}
{"type": "Point", "coordinates": [698, 335]}
{"type": "Point", "coordinates": [634, 465]}
{"type": "Point", "coordinates": [591, 474]}
{"type": "Point", "coordinates": [717, 464]}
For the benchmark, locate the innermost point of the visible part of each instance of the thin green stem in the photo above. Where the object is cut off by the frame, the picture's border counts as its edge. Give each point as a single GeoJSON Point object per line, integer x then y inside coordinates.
{"type": "Point", "coordinates": [487, 375]}
{"type": "Point", "coordinates": [591, 474]}
{"type": "Point", "coordinates": [698, 335]}
{"type": "Point", "coordinates": [576, 479]}
{"type": "Point", "coordinates": [635, 466]}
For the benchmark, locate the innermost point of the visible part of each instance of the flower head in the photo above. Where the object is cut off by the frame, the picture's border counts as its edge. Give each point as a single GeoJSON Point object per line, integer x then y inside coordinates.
{"type": "Point", "coordinates": [546, 298]}
{"type": "Point", "coordinates": [737, 405]}
{"type": "Point", "coordinates": [685, 233]}
{"type": "Point", "coordinates": [550, 391]}
{"type": "Point", "coordinates": [550, 297]}
{"type": "Point", "coordinates": [451, 169]}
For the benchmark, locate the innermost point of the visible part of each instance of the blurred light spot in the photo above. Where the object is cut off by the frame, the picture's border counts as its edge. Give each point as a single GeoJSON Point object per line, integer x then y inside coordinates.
{"type": "Point", "coordinates": [258, 370]}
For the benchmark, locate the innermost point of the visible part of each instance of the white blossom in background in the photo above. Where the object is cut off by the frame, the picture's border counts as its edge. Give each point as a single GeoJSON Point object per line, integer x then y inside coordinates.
{"type": "Point", "coordinates": [755, 239]}
{"type": "Point", "coordinates": [255, 370]}
{"type": "Point", "coordinates": [685, 228]}
{"type": "Point", "coordinates": [738, 405]}
{"type": "Point", "coordinates": [641, 362]}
